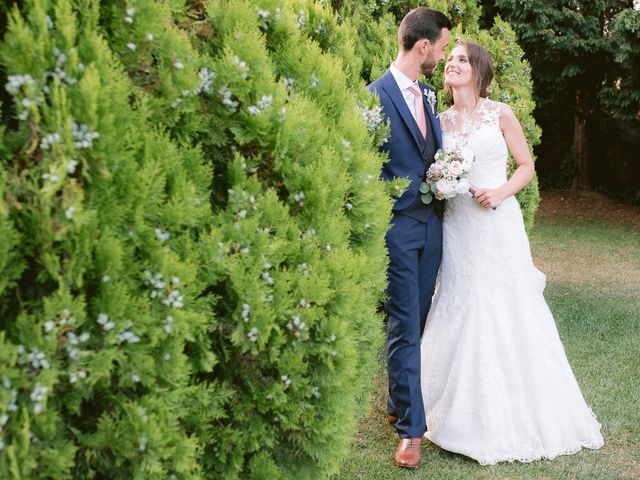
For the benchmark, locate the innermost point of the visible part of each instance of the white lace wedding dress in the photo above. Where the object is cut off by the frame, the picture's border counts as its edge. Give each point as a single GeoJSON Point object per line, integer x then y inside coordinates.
{"type": "Point", "coordinates": [495, 378]}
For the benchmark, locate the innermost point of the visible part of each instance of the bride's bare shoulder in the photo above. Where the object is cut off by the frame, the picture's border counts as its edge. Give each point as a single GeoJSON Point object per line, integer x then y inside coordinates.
{"type": "Point", "coordinates": [503, 108]}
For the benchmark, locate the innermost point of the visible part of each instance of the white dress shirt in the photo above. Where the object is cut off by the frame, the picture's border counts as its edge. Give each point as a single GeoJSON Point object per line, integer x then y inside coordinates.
{"type": "Point", "coordinates": [404, 83]}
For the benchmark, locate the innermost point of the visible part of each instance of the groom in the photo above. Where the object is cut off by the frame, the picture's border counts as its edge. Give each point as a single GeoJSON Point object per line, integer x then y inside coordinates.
{"type": "Point", "coordinates": [414, 241]}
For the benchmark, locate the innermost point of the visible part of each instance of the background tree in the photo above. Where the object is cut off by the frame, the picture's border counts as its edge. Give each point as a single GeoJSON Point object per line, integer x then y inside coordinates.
{"type": "Point", "coordinates": [585, 72]}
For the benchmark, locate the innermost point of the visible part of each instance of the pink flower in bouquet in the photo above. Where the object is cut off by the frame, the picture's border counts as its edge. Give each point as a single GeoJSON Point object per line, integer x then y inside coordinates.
{"type": "Point", "coordinates": [455, 168]}
{"type": "Point", "coordinates": [436, 171]}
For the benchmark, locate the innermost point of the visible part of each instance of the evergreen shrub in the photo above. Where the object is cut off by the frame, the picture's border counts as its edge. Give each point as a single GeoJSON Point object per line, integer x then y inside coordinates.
{"type": "Point", "coordinates": [297, 255]}
{"type": "Point", "coordinates": [192, 247]}
{"type": "Point", "coordinates": [108, 305]}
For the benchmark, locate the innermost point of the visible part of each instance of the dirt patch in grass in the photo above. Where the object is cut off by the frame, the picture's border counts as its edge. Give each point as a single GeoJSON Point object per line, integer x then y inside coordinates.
{"type": "Point", "coordinates": [586, 205]}
{"type": "Point", "coordinates": [606, 264]}
{"type": "Point", "coordinates": [578, 267]}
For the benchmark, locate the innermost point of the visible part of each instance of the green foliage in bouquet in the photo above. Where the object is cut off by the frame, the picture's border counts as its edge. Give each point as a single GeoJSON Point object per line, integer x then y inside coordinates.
{"type": "Point", "coordinates": [377, 22]}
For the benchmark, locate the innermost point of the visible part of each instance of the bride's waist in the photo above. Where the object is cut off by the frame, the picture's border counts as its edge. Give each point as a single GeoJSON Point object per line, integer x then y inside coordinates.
{"type": "Point", "coordinates": [466, 201]}
{"type": "Point", "coordinates": [487, 181]}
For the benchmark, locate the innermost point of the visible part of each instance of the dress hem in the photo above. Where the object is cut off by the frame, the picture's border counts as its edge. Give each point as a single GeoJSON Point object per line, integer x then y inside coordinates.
{"type": "Point", "coordinates": [521, 458]}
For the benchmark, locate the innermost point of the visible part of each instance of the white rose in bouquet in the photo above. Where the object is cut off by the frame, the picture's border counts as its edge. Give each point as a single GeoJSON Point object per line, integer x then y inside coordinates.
{"type": "Point", "coordinates": [455, 168]}
{"type": "Point", "coordinates": [444, 189]}
{"type": "Point", "coordinates": [462, 187]}
{"type": "Point", "coordinates": [439, 188]}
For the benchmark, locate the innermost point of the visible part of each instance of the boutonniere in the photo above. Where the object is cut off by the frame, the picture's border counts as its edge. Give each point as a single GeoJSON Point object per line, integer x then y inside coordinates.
{"type": "Point", "coordinates": [431, 99]}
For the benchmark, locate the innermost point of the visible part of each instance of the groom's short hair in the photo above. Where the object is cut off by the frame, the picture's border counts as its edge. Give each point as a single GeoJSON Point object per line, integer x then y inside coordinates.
{"type": "Point", "coordinates": [421, 23]}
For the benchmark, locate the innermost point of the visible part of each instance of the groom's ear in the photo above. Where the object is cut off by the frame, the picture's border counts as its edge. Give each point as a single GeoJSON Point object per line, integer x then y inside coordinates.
{"type": "Point", "coordinates": [425, 45]}
{"type": "Point", "coordinates": [418, 46]}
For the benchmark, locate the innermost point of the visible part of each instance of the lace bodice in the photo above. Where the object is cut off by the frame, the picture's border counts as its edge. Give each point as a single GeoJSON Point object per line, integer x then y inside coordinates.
{"type": "Point", "coordinates": [480, 132]}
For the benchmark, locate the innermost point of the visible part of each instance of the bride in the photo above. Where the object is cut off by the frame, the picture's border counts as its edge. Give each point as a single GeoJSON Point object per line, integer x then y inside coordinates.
{"type": "Point", "coordinates": [496, 381]}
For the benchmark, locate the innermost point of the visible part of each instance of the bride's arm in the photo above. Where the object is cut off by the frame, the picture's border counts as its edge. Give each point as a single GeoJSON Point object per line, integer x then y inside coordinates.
{"type": "Point", "coordinates": [517, 143]}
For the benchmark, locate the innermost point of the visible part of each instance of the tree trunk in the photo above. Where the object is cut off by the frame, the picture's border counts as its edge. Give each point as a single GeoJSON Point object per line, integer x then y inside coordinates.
{"type": "Point", "coordinates": [581, 151]}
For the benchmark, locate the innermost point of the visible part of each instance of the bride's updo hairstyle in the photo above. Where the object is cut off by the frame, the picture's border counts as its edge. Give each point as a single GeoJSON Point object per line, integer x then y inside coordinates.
{"type": "Point", "coordinates": [482, 66]}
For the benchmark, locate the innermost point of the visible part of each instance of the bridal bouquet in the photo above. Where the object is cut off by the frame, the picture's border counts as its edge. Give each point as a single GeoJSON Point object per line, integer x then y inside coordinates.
{"type": "Point", "coordinates": [447, 176]}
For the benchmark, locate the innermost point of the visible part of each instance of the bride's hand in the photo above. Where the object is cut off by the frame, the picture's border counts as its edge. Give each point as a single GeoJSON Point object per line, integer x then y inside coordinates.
{"type": "Point", "coordinates": [488, 197]}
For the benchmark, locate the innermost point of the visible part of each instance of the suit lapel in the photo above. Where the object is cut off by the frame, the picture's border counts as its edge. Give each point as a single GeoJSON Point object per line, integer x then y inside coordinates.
{"type": "Point", "coordinates": [433, 119]}
{"type": "Point", "coordinates": [391, 87]}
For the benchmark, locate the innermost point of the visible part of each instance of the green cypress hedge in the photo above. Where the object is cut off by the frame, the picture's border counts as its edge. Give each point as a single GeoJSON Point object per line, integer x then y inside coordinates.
{"type": "Point", "coordinates": [297, 244]}
{"type": "Point", "coordinates": [193, 240]}
{"type": "Point", "coordinates": [106, 302]}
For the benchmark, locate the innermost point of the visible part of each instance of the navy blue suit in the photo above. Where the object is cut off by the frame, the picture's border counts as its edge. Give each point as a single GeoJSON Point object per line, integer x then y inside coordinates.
{"type": "Point", "coordinates": [414, 243]}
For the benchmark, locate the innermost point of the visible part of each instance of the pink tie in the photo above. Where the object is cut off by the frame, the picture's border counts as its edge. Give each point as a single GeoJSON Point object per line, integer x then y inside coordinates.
{"type": "Point", "coordinates": [419, 107]}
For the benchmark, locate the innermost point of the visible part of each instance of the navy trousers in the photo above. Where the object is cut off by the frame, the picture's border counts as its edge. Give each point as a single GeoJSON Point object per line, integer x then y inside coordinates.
{"type": "Point", "coordinates": [415, 251]}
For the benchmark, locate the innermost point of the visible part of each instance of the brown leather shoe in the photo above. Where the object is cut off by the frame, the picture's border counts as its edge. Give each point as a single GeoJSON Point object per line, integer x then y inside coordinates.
{"type": "Point", "coordinates": [408, 453]}
{"type": "Point", "coordinates": [392, 419]}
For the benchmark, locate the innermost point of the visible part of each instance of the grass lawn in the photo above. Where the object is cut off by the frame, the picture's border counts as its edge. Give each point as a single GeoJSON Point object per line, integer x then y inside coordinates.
{"type": "Point", "coordinates": [593, 288]}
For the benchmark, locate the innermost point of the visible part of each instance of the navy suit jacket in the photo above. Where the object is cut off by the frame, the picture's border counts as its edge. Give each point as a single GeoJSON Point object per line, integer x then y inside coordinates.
{"type": "Point", "coordinates": [405, 146]}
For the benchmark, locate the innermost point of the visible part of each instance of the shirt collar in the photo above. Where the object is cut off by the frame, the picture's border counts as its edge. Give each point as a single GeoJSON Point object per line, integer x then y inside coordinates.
{"type": "Point", "coordinates": [401, 79]}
